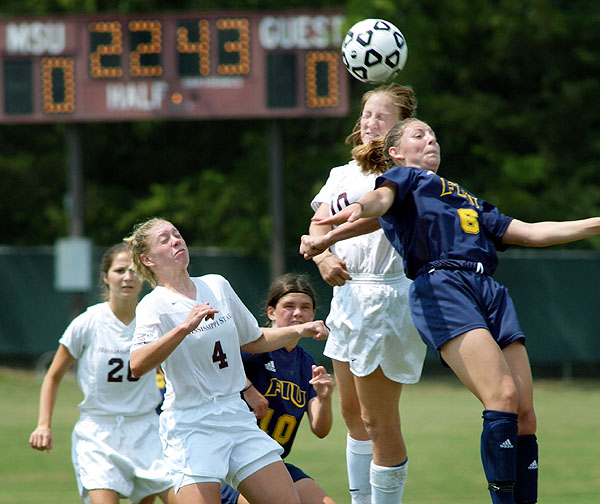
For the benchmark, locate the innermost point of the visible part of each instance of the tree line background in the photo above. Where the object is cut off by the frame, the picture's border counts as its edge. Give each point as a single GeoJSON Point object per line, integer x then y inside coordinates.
{"type": "Point", "coordinates": [511, 88]}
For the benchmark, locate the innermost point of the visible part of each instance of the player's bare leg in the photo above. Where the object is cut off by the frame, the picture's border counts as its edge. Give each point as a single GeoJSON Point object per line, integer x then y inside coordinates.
{"type": "Point", "coordinates": [359, 451]}
{"type": "Point", "coordinates": [200, 493]}
{"type": "Point", "coordinates": [526, 487]}
{"type": "Point", "coordinates": [478, 362]}
{"type": "Point", "coordinates": [311, 493]}
{"type": "Point", "coordinates": [103, 496]}
{"type": "Point", "coordinates": [167, 497]}
{"type": "Point", "coordinates": [518, 362]}
{"type": "Point", "coordinates": [349, 403]}
{"type": "Point", "coordinates": [270, 485]}
{"type": "Point", "coordinates": [379, 398]}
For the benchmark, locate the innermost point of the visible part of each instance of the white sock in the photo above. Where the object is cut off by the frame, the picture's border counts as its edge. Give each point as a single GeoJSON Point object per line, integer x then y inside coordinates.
{"type": "Point", "coordinates": [358, 461]}
{"type": "Point", "coordinates": [387, 483]}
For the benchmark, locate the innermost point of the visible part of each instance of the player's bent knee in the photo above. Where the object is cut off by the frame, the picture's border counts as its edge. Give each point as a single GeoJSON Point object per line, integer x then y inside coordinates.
{"type": "Point", "coordinates": [527, 422]}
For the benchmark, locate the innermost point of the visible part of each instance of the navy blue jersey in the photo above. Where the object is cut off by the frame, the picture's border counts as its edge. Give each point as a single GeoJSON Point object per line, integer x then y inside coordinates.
{"type": "Point", "coordinates": [435, 219]}
{"type": "Point", "coordinates": [282, 377]}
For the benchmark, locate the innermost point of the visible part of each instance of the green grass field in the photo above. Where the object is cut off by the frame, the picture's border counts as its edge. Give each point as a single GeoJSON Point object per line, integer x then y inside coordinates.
{"type": "Point", "coordinates": [441, 423]}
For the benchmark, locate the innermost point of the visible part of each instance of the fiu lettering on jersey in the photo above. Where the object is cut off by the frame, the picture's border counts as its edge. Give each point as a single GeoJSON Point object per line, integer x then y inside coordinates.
{"type": "Point", "coordinates": [288, 391]}
{"type": "Point", "coordinates": [453, 188]}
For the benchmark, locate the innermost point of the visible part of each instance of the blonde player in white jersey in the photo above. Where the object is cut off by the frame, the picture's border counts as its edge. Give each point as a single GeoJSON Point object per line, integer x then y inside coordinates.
{"type": "Point", "coordinates": [116, 448]}
{"type": "Point", "coordinates": [373, 343]}
{"type": "Point", "coordinates": [194, 328]}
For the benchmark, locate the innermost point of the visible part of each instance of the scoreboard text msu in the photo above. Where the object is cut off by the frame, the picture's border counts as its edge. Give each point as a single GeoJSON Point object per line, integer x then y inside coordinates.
{"type": "Point", "coordinates": [180, 66]}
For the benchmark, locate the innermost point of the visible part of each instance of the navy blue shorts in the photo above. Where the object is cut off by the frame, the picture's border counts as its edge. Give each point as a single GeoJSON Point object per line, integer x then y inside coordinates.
{"type": "Point", "coordinates": [295, 472]}
{"type": "Point", "coordinates": [447, 303]}
{"type": "Point", "coordinates": [230, 495]}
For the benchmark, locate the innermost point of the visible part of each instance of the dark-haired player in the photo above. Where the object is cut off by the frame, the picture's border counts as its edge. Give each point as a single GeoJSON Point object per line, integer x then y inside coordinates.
{"type": "Point", "coordinates": [292, 383]}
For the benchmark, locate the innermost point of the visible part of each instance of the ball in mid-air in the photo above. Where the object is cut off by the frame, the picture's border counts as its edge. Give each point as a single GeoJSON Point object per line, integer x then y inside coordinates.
{"type": "Point", "coordinates": [374, 50]}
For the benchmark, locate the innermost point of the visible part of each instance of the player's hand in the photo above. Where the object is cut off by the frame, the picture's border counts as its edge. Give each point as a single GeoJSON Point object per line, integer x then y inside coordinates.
{"type": "Point", "coordinates": [41, 439]}
{"type": "Point", "coordinates": [333, 269]}
{"type": "Point", "coordinates": [200, 312]}
{"type": "Point", "coordinates": [311, 246]}
{"type": "Point", "coordinates": [316, 330]}
{"type": "Point", "coordinates": [256, 401]}
{"type": "Point", "coordinates": [322, 382]}
{"type": "Point", "coordinates": [351, 213]}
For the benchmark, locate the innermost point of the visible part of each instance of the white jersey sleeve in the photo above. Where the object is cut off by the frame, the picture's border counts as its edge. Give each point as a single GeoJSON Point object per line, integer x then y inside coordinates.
{"type": "Point", "coordinates": [336, 175]}
{"type": "Point", "coordinates": [100, 342]}
{"type": "Point", "coordinates": [207, 363]}
{"type": "Point", "coordinates": [371, 253]}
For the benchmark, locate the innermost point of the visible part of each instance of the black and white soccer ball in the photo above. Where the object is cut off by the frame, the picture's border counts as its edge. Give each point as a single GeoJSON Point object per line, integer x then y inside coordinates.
{"type": "Point", "coordinates": [374, 50]}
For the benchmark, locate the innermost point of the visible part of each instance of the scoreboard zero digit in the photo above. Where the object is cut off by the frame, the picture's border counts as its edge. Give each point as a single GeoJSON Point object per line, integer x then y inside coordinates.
{"type": "Point", "coordinates": [201, 65]}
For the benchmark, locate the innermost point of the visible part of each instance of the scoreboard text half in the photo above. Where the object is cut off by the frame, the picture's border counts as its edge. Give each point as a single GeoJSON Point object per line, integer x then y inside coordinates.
{"type": "Point", "coordinates": [174, 66]}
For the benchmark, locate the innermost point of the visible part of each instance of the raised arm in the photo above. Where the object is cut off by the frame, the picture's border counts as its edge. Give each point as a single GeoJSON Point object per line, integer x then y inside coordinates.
{"type": "Point", "coordinates": [274, 338]}
{"type": "Point", "coordinates": [319, 408]}
{"type": "Point", "coordinates": [151, 355]}
{"type": "Point", "coordinates": [333, 269]}
{"type": "Point", "coordinates": [41, 437]}
{"type": "Point", "coordinates": [360, 218]}
{"type": "Point", "coordinates": [544, 234]}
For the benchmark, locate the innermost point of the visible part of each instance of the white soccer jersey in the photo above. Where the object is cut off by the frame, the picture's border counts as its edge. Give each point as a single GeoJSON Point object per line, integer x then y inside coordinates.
{"type": "Point", "coordinates": [207, 363]}
{"type": "Point", "coordinates": [100, 342]}
{"type": "Point", "coordinates": [371, 253]}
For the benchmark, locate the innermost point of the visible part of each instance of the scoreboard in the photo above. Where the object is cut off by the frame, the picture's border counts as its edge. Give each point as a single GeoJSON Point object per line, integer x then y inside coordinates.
{"type": "Point", "coordinates": [193, 65]}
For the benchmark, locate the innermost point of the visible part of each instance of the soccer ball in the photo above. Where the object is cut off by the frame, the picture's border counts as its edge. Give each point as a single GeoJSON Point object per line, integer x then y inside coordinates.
{"type": "Point", "coordinates": [374, 50]}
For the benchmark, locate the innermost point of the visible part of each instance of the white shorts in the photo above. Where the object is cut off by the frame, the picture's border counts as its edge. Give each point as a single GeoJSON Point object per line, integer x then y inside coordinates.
{"type": "Point", "coordinates": [216, 442]}
{"type": "Point", "coordinates": [370, 326]}
{"type": "Point", "coordinates": [119, 453]}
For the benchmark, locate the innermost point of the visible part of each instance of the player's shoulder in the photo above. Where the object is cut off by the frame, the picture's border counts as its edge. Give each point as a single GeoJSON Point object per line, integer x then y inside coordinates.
{"type": "Point", "coordinates": [152, 296]}
{"type": "Point", "coordinates": [86, 322]}
{"type": "Point", "coordinates": [403, 174]}
{"type": "Point", "coordinates": [157, 300]}
{"type": "Point", "coordinates": [94, 312]}
{"type": "Point", "coordinates": [344, 170]}
{"type": "Point", "coordinates": [212, 281]}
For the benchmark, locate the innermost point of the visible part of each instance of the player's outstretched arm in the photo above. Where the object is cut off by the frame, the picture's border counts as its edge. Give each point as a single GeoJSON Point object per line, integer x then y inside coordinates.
{"type": "Point", "coordinates": [41, 438]}
{"type": "Point", "coordinates": [544, 234]}
{"type": "Point", "coordinates": [313, 246]}
{"type": "Point", "coordinates": [274, 338]}
{"type": "Point", "coordinates": [373, 204]}
{"type": "Point", "coordinates": [360, 217]}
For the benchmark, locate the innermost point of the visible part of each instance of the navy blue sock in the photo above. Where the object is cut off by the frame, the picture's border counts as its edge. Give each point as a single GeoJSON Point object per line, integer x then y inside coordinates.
{"type": "Point", "coordinates": [499, 454]}
{"type": "Point", "coordinates": [527, 470]}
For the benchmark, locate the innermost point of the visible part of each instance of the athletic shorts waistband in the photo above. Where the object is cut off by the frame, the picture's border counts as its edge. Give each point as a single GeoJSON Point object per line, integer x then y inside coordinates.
{"type": "Point", "coordinates": [376, 278]}
{"type": "Point", "coordinates": [117, 419]}
{"type": "Point", "coordinates": [210, 405]}
{"type": "Point", "coordinates": [452, 264]}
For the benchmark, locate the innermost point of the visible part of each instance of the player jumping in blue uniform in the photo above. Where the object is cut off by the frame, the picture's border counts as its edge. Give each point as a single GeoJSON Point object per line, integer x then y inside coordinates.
{"type": "Point", "coordinates": [289, 383]}
{"type": "Point", "coordinates": [448, 239]}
